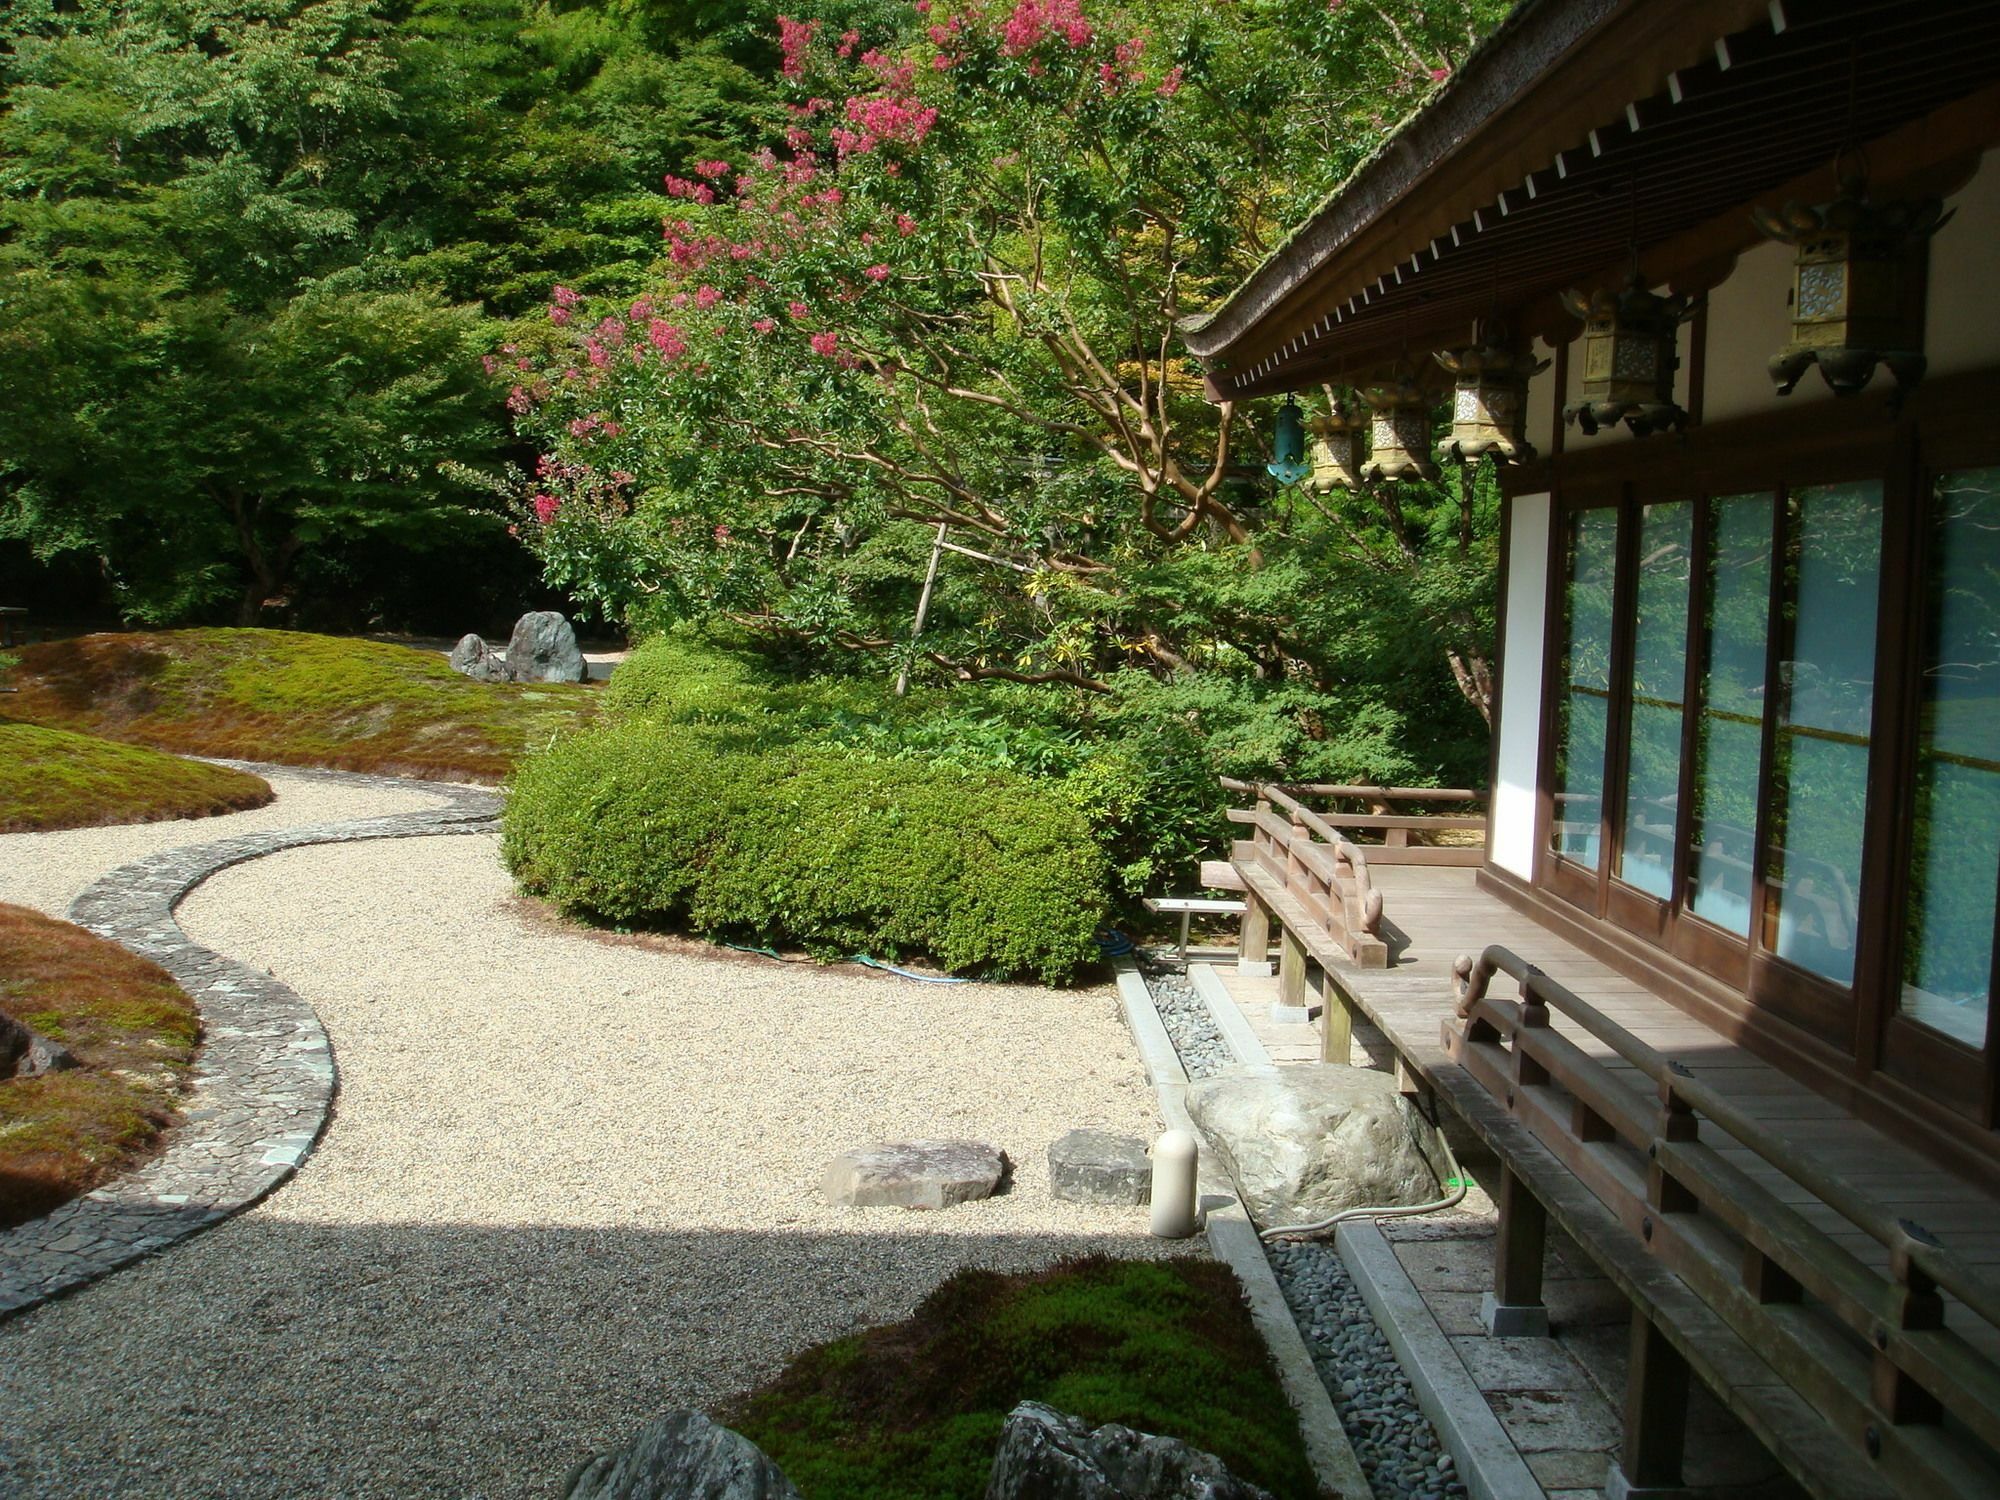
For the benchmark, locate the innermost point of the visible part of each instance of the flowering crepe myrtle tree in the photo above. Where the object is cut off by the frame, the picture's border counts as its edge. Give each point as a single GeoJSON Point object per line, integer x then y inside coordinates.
{"type": "Point", "coordinates": [949, 300]}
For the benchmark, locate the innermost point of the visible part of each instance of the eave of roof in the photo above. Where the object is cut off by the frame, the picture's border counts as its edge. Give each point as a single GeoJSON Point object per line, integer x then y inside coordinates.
{"type": "Point", "coordinates": [1585, 131]}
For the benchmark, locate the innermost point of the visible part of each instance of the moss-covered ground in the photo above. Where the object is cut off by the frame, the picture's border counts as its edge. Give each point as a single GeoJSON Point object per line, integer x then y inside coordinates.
{"type": "Point", "coordinates": [57, 778]}
{"type": "Point", "coordinates": [133, 1032]}
{"type": "Point", "coordinates": [293, 698]}
{"type": "Point", "coordinates": [914, 1411]}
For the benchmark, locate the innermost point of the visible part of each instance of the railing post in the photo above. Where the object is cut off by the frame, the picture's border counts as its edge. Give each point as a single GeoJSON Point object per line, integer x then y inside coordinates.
{"type": "Point", "coordinates": [1336, 1022]}
{"type": "Point", "coordinates": [1677, 1124]}
{"type": "Point", "coordinates": [1253, 939]}
{"type": "Point", "coordinates": [1656, 1400]}
{"type": "Point", "coordinates": [1914, 1304]}
{"type": "Point", "coordinates": [1514, 1308]}
{"type": "Point", "coordinates": [1292, 960]}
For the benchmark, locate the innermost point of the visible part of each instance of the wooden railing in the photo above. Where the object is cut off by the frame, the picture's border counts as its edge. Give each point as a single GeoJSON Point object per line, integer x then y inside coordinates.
{"type": "Point", "coordinates": [1320, 872]}
{"type": "Point", "coordinates": [1897, 1358]}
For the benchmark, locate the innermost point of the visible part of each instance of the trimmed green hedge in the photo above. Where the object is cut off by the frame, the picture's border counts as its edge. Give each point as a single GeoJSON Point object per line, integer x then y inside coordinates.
{"type": "Point", "coordinates": [642, 822]}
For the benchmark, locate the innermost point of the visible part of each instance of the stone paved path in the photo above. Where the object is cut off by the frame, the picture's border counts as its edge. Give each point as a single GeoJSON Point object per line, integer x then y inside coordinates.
{"type": "Point", "coordinates": [263, 1080]}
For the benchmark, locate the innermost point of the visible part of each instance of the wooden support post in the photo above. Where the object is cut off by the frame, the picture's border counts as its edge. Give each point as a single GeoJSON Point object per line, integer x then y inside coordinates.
{"type": "Point", "coordinates": [1292, 961]}
{"type": "Point", "coordinates": [1656, 1404]}
{"type": "Point", "coordinates": [1914, 1304]}
{"type": "Point", "coordinates": [1253, 941]}
{"type": "Point", "coordinates": [1336, 1022]}
{"type": "Point", "coordinates": [1514, 1308]}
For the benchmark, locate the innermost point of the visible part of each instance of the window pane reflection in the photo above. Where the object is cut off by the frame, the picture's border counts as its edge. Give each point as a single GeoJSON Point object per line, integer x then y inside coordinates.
{"type": "Point", "coordinates": [1659, 677]}
{"type": "Point", "coordinates": [1826, 690]}
{"type": "Point", "coordinates": [1583, 711]}
{"type": "Point", "coordinates": [1729, 728]}
{"type": "Point", "coordinates": [1955, 837]}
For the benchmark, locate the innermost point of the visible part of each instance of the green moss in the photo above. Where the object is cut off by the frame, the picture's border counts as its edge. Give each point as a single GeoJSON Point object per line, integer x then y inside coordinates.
{"type": "Point", "coordinates": [133, 1033]}
{"type": "Point", "coordinates": [916, 1409]}
{"type": "Point", "coordinates": [54, 778]}
{"type": "Point", "coordinates": [294, 698]}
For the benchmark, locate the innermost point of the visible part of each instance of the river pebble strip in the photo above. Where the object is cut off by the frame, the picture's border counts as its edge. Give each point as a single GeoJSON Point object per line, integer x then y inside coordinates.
{"type": "Point", "coordinates": [570, 1181]}
{"type": "Point", "coordinates": [1392, 1438]}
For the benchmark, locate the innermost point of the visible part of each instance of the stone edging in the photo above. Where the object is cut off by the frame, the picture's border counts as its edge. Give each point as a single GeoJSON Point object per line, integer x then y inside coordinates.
{"type": "Point", "coordinates": [263, 1080]}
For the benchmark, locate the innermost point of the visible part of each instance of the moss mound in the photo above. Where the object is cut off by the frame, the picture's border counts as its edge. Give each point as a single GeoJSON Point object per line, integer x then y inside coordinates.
{"type": "Point", "coordinates": [914, 1411]}
{"type": "Point", "coordinates": [293, 698]}
{"type": "Point", "coordinates": [133, 1032]}
{"type": "Point", "coordinates": [642, 823]}
{"type": "Point", "coordinates": [55, 778]}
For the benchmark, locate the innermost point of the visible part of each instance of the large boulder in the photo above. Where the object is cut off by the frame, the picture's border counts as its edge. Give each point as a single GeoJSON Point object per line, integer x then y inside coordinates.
{"type": "Point", "coordinates": [543, 649]}
{"type": "Point", "coordinates": [914, 1174]}
{"type": "Point", "coordinates": [1314, 1139]}
{"type": "Point", "coordinates": [682, 1456]}
{"type": "Point", "coordinates": [475, 659]}
{"type": "Point", "coordinates": [1047, 1455]}
{"type": "Point", "coordinates": [1095, 1166]}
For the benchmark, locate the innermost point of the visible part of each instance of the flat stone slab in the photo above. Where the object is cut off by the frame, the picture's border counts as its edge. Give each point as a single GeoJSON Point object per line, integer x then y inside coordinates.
{"type": "Point", "coordinates": [914, 1174]}
{"type": "Point", "coordinates": [1095, 1166]}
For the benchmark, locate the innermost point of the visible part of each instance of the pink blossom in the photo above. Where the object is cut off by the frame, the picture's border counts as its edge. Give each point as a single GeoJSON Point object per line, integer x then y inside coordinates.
{"type": "Point", "coordinates": [564, 297]}
{"type": "Point", "coordinates": [891, 119]}
{"type": "Point", "coordinates": [848, 41]}
{"type": "Point", "coordinates": [641, 310]}
{"type": "Point", "coordinates": [765, 325]}
{"type": "Point", "coordinates": [712, 170]}
{"type": "Point", "coordinates": [905, 224]}
{"type": "Point", "coordinates": [1032, 20]}
{"type": "Point", "coordinates": [546, 507]}
{"type": "Point", "coordinates": [827, 344]}
{"type": "Point", "coordinates": [598, 356]}
{"type": "Point", "coordinates": [923, 7]}
{"type": "Point", "coordinates": [799, 311]}
{"type": "Point", "coordinates": [666, 338]}
{"type": "Point", "coordinates": [559, 316]}
{"type": "Point", "coordinates": [1171, 84]}
{"type": "Point", "coordinates": [722, 533]}
{"type": "Point", "coordinates": [519, 401]}
{"type": "Point", "coordinates": [1438, 75]}
{"type": "Point", "coordinates": [794, 37]}
{"type": "Point", "coordinates": [706, 297]}
{"type": "Point", "coordinates": [489, 363]}
{"type": "Point", "coordinates": [877, 273]}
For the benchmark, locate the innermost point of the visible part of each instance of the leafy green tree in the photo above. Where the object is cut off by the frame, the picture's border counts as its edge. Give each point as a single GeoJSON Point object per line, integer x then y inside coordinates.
{"type": "Point", "coordinates": [951, 301]}
{"type": "Point", "coordinates": [252, 252]}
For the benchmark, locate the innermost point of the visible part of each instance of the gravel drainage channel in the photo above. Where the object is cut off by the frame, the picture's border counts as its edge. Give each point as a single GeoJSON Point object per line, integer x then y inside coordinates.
{"type": "Point", "coordinates": [1392, 1438]}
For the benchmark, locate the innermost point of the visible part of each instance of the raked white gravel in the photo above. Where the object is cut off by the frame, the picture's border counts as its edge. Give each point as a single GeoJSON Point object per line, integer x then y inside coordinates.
{"type": "Point", "coordinates": [569, 1183]}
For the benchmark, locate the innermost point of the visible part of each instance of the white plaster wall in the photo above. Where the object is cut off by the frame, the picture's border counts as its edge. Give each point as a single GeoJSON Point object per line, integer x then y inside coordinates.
{"type": "Point", "coordinates": [1540, 426]}
{"type": "Point", "coordinates": [1512, 845]}
{"type": "Point", "coordinates": [1961, 317]}
{"type": "Point", "coordinates": [1749, 320]}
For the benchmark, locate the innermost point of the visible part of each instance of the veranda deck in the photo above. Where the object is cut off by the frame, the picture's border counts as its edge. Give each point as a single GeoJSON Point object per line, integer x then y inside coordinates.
{"type": "Point", "coordinates": [1435, 915]}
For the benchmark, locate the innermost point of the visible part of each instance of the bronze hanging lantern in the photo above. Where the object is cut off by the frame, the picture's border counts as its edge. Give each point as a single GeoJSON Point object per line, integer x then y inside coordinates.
{"type": "Point", "coordinates": [1400, 431]}
{"type": "Point", "coordinates": [1630, 352]}
{"type": "Point", "coordinates": [1340, 447]}
{"type": "Point", "coordinates": [1856, 287]}
{"type": "Point", "coordinates": [1489, 404]}
{"type": "Point", "coordinates": [1288, 445]}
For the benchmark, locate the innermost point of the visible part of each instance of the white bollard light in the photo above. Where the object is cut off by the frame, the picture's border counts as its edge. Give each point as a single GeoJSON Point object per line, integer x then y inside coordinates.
{"type": "Point", "coordinates": [1175, 1156]}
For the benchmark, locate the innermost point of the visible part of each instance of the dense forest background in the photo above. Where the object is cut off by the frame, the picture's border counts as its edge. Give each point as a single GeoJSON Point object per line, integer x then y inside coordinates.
{"type": "Point", "coordinates": [354, 315]}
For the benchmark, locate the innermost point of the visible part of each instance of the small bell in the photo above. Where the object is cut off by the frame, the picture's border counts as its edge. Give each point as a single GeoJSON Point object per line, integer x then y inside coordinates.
{"type": "Point", "coordinates": [1288, 445]}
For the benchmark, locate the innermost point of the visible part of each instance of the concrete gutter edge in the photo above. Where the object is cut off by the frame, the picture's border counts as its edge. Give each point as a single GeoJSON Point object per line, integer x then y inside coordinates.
{"type": "Point", "coordinates": [1489, 1465]}
{"type": "Point", "coordinates": [1233, 1240]}
{"type": "Point", "coordinates": [1230, 1020]}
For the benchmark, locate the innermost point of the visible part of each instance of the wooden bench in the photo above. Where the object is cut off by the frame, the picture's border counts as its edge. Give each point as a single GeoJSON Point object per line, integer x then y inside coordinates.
{"type": "Point", "coordinates": [1862, 1380]}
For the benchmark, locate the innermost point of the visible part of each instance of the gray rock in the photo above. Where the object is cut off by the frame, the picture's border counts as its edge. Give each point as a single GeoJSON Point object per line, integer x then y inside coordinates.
{"type": "Point", "coordinates": [914, 1174]}
{"type": "Point", "coordinates": [28, 1054]}
{"type": "Point", "coordinates": [1314, 1139]}
{"type": "Point", "coordinates": [1046, 1455]}
{"type": "Point", "coordinates": [1095, 1166]}
{"type": "Point", "coordinates": [543, 649]}
{"type": "Point", "coordinates": [682, 1456]}
{"type": "Point", "coordinates": [477, 660]}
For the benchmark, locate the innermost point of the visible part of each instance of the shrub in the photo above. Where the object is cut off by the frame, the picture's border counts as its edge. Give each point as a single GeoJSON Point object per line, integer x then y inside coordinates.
{"type": "Point", "coordinates": [645, 822]}
{"type": "Point", "coordinates": [914, 1410]}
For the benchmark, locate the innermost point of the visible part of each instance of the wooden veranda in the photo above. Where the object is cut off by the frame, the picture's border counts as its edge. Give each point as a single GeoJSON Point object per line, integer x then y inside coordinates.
{"type": "Point", "coordinates": [1834, 1287]}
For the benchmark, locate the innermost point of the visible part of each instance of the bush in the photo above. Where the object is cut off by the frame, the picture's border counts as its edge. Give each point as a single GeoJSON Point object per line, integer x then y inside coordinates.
{"type": "Point", "coordinates": [645, 822]}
